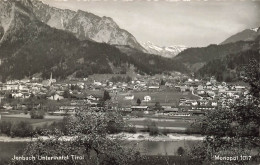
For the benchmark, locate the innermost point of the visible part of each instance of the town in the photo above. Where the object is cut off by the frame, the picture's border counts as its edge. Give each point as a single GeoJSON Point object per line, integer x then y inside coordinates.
{"type": "Point", "coordinates": [166, 96]}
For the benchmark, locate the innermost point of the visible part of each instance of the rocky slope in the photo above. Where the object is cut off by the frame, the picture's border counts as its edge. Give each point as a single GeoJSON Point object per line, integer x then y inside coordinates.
{"type": "Point", "coordinates": [85, 25]}
{"type": "Point", "coordinates": [169, 52]}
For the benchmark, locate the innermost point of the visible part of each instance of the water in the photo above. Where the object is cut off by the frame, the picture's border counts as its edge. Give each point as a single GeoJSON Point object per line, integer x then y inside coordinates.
{"type": "Point", "coordinates": [164, 147]}
{"type": "Point", "coordinates": [9, 149]}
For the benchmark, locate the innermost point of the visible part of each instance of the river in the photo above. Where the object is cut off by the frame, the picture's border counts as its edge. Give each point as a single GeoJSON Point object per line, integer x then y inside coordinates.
{"type": "Point", "coordinates": [146, 147]}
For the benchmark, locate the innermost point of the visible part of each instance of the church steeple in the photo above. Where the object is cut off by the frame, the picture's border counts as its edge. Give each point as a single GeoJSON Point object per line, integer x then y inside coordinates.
{"type": "Point", "coordinates": [51, 77]}
{"type": "Point", "coordinates": [50, 80]}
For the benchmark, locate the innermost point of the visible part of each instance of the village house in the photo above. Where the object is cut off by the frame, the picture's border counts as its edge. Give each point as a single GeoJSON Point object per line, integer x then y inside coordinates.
{"type": "Point", "coordinates": [170, 109]}
{"type": "Point", "coordinates": [214, 103]}
{"type": "Point", "coordinates": [154, 87]}
{"type": "Point", "coordinates": [240, 88]}
{"type": "Point", "coordinates": [55, 97]}
{"type": "Point", "coordinates": [139, 108]}
{"type": "Point", "coordinates": [147, 98]}
{"type": "Point", "coordinates": [96, 83]}
{"type": "Point", "coordinates": [200, 88]}
{"type": "Point", "coordinates": [129, 97]}
{"type": "Point", "coordinates": [12, 87]}
{"type": "Point", "coordinates": [183, 88]}
{"type": "Point", "coordinates": [93, 97]}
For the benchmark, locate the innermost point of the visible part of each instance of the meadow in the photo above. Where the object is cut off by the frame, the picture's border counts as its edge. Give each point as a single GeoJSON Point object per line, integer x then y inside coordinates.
{"type": "Point", "coordinates": [34, 122]}
{"type": "Point", "coordinates": [163, 97]}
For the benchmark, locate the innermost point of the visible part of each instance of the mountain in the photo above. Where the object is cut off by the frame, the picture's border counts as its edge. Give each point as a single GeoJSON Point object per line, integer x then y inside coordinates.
{"type": "Point", "coordinates": [169, 52]}
{"type": "Point", "coordinates": [196, 58]}
{"type": "Point", "coordinates": [85, 25]}
{"type": "Point", "coordinates": [245, 35]}
{"type": "Point", "coordinates": [224, 61]}
{"type": "Point", "coordinates": [29, 46]}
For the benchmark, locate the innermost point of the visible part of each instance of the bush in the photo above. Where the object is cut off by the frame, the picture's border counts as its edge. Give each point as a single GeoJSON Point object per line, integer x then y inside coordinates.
{"type": "Point", "coordinates": [152, 128]}
{"type": "Point", "coordinates": [60, 125]}
{"type": "Point", "coordinates": [132, 129]}
{"type": "Point", "coordinates": [37, 114]}
{"type": "Point", "coordinates": [112, 127]}
{"type": "Point", "coordinates": [139, 114]}
{"type": "Point", "coordinates": [5, 127]}
{"type": "Point", "coordinates": [21, 129]}
{"type": "Point", "coordinates": [166, 131]}
{"type": "Point", "coordinates": [38, 131]}
{"type": "Point", "coordinates": [194, 129]}
{"type": "Point", "coordinates": [180, 151]}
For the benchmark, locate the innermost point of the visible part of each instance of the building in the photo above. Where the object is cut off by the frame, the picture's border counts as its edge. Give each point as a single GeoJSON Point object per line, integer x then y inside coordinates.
{"type": "Point", "coordinates": [147, 98]}
{"type": "Point", "coordinates": [139, 108]}
{"type": "Point", "coordinates": [129, 97]}
{"type": "Point", "coordinates": [56, 97]}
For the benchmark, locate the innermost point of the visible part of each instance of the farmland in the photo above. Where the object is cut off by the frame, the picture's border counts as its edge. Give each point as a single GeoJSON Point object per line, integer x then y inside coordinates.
{"type": "Point", "coordinates": [163, 97]}
{"type": "Point", "coordinates": [34, 122]}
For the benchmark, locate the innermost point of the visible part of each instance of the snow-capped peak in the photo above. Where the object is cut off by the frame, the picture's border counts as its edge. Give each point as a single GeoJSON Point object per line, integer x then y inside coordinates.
{"type": "Point", "coordinates": [255, 29]}
{"type": "Point", "coordinates": [165, 51]}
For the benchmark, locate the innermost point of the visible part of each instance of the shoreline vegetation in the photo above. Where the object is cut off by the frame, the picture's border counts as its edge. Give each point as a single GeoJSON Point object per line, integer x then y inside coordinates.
{"type": "Point", "coordinates": [125, 136]}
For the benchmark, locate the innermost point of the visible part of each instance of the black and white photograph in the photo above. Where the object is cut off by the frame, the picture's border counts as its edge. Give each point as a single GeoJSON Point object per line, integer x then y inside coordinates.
{"type": "Point", "coordinates": [129, 82]}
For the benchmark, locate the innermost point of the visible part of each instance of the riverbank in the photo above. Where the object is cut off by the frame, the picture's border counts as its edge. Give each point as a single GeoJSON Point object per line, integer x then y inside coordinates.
{"type": "Point", "coordinates": [169, 137]}
{"type": "Point", "coordinates": [126, 136]}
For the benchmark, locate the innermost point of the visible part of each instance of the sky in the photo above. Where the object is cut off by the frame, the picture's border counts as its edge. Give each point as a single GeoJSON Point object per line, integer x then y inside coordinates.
{"type": "Point", "coordinates": [172, 22]}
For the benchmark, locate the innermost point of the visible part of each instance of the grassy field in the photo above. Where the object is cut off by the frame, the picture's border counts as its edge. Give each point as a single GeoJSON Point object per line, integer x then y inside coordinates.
{"type": "Point", "coordinates": [33, 122]}
{"type": "Point", "coordinates": [164, 97]}
{"type": "Point", "coordinates": [167, 97]}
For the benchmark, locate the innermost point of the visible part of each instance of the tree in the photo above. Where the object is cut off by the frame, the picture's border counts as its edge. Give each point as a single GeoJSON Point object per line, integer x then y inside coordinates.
{"type": "Point", "coordinates": [37, 114]}
{"type": "Point", "coordinates": [234, 129]}
{"type": "Point", "coordinates": [21, 129]}
{"type": "Point", "coordinates": [157, 106]}
{"type": "Point", "coordinates": [10, 96]}
{"type": "Point", "coordinates": [162, 82]}
{"type": "Point", "coordinates": [66, 94]}
{"type": "Point", "coordinates": [180, 151]}
{"type": "Point", "coordinates": [128, 79]}
{"type": "Point", "coordinates": [88, 137]}
{"type": "Point", "coordinates": [106, 96]}
{"type": "Point", "coordinates": [152, 127]}
{"type": "Point", "coordinates": [138, 101]}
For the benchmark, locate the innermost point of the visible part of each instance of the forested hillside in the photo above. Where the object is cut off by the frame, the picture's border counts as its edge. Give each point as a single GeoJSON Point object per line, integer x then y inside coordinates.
{"type": "Point", "coordinates": [229, 68]}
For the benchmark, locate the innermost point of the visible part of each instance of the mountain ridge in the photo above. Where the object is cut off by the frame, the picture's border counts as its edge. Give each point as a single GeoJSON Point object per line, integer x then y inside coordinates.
{"type": "Point", "coordinates": [85, 25]}
{"type": "Point", "coordinates": [245, 35]}
{"type": "Point", "coordinates": [164, 51]}
{"type": "Point", "coordinates": [230, 67]}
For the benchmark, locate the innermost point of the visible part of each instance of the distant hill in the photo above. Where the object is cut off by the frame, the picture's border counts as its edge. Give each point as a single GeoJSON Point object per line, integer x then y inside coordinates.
{"type": "Point", "coordinates": [245, 35]}
{"type": "Point", "coordinates": [195, 58]}
{"type": "Point", "coordinates": [222, 61]}
{"type": "Point", "coordinates": [164, 51]}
